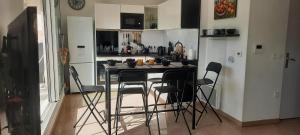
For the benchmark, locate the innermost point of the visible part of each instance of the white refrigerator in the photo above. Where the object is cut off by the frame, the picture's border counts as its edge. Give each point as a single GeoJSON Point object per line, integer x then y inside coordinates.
{"type": "Point", "coordinates": [82, 52]}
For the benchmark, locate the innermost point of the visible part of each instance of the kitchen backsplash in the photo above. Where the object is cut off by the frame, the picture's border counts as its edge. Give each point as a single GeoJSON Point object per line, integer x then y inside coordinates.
{"type": "Point", "coordinates": [156, 38]}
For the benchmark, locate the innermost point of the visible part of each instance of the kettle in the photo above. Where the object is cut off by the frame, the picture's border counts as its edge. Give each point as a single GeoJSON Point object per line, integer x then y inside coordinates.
{"type": "Point", "coordinates": [161, 50]}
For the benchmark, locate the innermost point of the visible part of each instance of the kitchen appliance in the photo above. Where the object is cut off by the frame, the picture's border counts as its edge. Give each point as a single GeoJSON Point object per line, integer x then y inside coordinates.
{"type": "Point", "coordinates": [132, 21]}
{"type": "Point", "coordinates": [170, 48]}
{"type": "Point", "coordinates": [81, 46]}
{"type": "Point", "coordinates": [161, 50]}
{"type": "Point", "coordinates": [191, 55]}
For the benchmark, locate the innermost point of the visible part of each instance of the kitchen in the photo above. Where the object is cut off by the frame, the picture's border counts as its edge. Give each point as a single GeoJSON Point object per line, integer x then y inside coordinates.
{"type": "Point", "coordinates": [135, 31]}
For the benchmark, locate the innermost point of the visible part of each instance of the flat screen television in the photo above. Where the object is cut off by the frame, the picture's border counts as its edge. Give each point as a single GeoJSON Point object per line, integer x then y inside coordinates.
{"type": "Point", "coordinates": [21, 74]}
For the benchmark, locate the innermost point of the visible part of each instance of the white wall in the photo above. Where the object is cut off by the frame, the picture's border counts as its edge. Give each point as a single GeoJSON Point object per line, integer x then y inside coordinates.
{"type": "Point", "coordinates": [231, 82]}
{"type": "Point", "coordinates": [249, 84]}
{"type": "Point", "coordinates": [154, 38]}
{"type": "Point", "coordinates": [264, 71]}
{"type": "Point", "coordinates": [9, 10]}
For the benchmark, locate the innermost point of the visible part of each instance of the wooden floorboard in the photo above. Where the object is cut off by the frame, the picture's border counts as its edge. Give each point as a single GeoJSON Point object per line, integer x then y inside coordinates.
{"type": "Point", "coordinates": [73, 106]}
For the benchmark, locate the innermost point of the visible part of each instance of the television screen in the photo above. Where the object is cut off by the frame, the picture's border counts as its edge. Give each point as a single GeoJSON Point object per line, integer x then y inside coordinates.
{"type": "Point", "coordinates": [21, 71]}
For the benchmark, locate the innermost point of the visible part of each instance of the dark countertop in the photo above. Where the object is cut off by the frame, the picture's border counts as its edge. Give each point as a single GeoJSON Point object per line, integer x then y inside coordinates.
{"type": "Point", "coordinates": [133, 55]}
{"type": "Point", "coordinates": [153, 55]}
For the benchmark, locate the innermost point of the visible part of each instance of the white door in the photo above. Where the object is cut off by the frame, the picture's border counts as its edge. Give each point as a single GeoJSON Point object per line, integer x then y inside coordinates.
{"type": "Point", "coordinates": [86, 75]}
{"type": "Point", "coordinates": [81, 39]}
{"type": "Point", "coordinates": [290, 99]}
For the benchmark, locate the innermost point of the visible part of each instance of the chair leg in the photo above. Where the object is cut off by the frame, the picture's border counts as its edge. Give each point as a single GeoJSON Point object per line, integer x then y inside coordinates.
{"type": "Point", "coordinates": [91, 104]}
{"type": "Point", "coordinates": [201, 104]}
{"type": "Point", "coordinates": [117, 114]}
{"type": "Point", "coordinates": [150, 89]}
{"type": "Point", "coordinates": [157, 117]}
{"type": "Point", "coordinates": [116, 109]}
{"type": "Point", "coordinates": [178, 107]}
{"type": "Point", "coordinates": [145, 107]}
{"type": "Point", "coordinates": [94, 106]}
{"type": "Point", "coordinates": [175, 115]}
{"type": "Point", "coordinates": [181, 110]}
{"type": "Point", "coordinates": [208, 103]}
{"type": "Point", "coordinates": [150, 116]}
{"type": "Point", "coordinates": [186, 123]}
{"type": "Point", "coordinates": [86, 101]}
{"type": "Point", "coordinates": [85, 111]}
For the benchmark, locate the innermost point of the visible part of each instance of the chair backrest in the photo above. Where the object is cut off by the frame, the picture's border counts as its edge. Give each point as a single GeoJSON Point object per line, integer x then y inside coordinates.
{"type": "Point", "coordinates": [175, 75]}
{"type": "Point", "coordinates": [132, 76]}
{"type": "Point", "coordinates": [214, 67]}
{"type": "Point", "coordinates": [75, 76]}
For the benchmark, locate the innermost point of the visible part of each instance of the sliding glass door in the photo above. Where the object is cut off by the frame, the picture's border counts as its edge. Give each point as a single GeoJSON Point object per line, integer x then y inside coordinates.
{"type": "Point", "coordinates": [50, 63]}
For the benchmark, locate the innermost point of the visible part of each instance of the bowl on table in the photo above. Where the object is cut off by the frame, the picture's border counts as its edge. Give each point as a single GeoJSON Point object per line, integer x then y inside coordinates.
{"type": "Point", "coordinates": [230, 31]}
{"type": "Point", "coordinates": [131, 63]}
{"type": "Point", "coordinates": [111, 62]}
{"type": "Point", "coordinates": [140, 62]}
{"type": "Point", "coordinates": [151, 61]}
{"type": "Point", "coordinates": [158, 60]}
{"type": "Point", "coordinates": [165, 62]}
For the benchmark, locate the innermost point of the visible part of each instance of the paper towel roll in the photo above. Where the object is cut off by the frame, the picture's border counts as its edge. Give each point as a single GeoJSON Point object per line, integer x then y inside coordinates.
{"type": "Point", "coordinates": [190, 55]}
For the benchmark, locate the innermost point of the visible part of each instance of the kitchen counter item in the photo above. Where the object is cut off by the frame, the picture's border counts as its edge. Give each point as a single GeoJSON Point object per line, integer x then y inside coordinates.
{"type": "Point", "coordinates": [191, 55]}
{"type": "Point", "coordinates": [170, 48]}
{"type": "Point", "coordinates": [140, 62]}
{"type": "Point", "coordinates": [161, 50]}
{"type": "Point", "coordinates": [158, 60]}
{"type": "Point", "coordinates": [166, 62]}
{"type": "Point", "coordinates": [111, 62]}
{"type": "Point", "coordinates": [179, 48]}
{"type": "Point", "coordinates": [185, 62]}
{"type": "Point", "coordinates": [131, 63]}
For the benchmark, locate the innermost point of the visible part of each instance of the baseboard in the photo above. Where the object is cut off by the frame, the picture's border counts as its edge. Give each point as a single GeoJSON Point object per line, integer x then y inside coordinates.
{"type": "Point", "coordinates": [234, 120]}
{"type": "Point", "coordinates": [52, 122]}
{"type": "Point", "coordinates": [260, 122]}
{"type": "Point", "coordinates": [230, 118]}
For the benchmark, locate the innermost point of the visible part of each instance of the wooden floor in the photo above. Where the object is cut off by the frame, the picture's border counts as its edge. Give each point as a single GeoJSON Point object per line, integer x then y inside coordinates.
{"type": "Point", "coordinates": [73, 106]}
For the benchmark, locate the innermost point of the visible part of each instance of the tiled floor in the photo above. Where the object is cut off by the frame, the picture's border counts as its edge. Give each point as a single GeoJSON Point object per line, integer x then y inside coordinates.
{"type": "Point", "coordinates": [134, 125]}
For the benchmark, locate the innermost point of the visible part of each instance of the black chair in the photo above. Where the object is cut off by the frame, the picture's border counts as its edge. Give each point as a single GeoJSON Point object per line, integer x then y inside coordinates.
{"type": "Point", "coordinates": [91, 103]}
{"type": "Point", "coordinates": [215, 68]}
{"type": "Point", "coordinates": [131, 77]}
{"type": "Point", "coordinates": [169, 77]}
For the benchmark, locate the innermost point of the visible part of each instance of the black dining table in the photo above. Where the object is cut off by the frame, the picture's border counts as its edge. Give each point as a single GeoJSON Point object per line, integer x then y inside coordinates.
{"type": "Point", "coordinates": [156, 68]}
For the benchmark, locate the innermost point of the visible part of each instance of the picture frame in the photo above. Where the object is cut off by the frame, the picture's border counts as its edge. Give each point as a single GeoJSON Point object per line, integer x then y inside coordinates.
{"type": "Point", "coordinates": [225, 9]}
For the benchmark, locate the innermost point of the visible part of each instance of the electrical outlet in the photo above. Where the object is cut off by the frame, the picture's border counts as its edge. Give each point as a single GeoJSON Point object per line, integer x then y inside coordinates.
{"type": "Point", "coordinates": [276, 94]}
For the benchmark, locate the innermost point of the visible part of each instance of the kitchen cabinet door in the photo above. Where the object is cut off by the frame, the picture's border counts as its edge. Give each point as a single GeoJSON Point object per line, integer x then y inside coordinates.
{"type": "Point", "coordinates": [107, 16]}
{"type": "Point", "coordinates": [136, 9]}
{"type": "Point", "coordinates": [169, 15]}
{"type": "Point", "coordinates": [190, 13]}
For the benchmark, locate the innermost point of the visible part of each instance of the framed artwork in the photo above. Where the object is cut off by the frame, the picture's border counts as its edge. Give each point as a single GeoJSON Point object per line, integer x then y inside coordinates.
{"type": "Point", "coordinates": [225, 9]}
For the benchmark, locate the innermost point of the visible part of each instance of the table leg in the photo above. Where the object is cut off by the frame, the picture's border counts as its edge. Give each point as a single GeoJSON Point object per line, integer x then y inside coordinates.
{"type": "Point", "coordinates": [194, 99]}
{"type": "Point", "coordinates": [108, 101]}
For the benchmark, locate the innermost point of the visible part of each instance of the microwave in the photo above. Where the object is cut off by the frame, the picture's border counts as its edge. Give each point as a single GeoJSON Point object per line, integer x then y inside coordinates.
{"type": "Point", "coordinates": [132, 21]}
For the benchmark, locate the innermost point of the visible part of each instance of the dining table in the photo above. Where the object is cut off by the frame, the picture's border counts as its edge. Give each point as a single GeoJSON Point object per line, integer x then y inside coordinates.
{"type": "Point", "coordinates": [154, 68]}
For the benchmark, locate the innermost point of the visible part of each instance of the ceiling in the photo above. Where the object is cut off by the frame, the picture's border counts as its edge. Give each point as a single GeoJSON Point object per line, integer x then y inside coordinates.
{"type": "Point", "coordinates": [133, 2]}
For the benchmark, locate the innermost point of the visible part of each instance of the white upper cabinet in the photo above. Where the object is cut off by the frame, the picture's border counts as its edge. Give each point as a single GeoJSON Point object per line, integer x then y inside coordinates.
{"type": "Point", "coordinates": [169, 15]}
{"type": "Point", "coordinates": [107, 16]}
{"type": "Point", "coordinates": [132, 9]}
